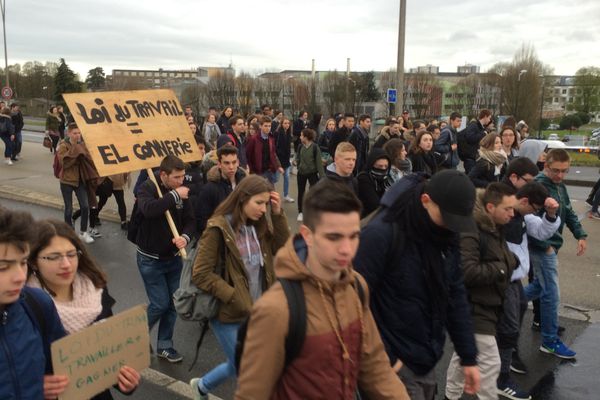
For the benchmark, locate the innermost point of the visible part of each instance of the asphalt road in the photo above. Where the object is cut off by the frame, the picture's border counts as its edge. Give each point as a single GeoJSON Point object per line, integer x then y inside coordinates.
{"type": "Point", "coordinates": [579, 286]}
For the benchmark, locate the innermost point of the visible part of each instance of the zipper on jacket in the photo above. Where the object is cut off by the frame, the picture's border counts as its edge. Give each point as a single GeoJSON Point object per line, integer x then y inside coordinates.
{"type": "Point", "coordinates": [9, 358]}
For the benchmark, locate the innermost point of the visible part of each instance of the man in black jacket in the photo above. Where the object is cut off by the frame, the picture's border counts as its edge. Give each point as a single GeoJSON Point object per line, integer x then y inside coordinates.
{"type": "Point", "coordinates": [446, 144]}
{"type": "Point", "coordinates": [342, 134]}
{"type": "Point", "coordinates": [17, 120]}
{"type": "Point", "coordinates": [474, 132]}
{"type": "Point", "coordinates": [158, 251]}
{"type": "Point", "coordinates": [409, 256]}
{"type": "Point", "coordinates": [360, 140]}
{"type": "Point", "coordinates": [221, 180]}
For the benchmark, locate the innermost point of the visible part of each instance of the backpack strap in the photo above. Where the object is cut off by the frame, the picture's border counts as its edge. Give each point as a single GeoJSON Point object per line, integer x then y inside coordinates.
{"type": "Point", "coordinates": [38, 313]}
{"type": "Point", "coordinates": [294, 295]}
{"type": "Point", "coordinates": [360, 290]}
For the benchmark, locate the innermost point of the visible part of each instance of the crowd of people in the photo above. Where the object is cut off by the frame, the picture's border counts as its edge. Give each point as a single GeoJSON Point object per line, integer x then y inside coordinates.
{"type": "Point", "coordinates": [395, 248]}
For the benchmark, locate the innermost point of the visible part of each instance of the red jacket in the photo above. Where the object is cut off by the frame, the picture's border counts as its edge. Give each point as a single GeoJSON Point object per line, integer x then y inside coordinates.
{"type": "Point", "coordinates": [254, 149]}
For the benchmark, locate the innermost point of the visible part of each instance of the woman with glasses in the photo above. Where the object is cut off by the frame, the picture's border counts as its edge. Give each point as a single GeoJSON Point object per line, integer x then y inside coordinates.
{"type": "Point", "coordinates": [60, 264]}
{"type": "Point", "coordinates": [510, 144]}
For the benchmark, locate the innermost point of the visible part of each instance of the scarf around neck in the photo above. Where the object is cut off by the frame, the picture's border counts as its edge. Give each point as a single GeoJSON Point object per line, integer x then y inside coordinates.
{"type": "Point", "coordinates": [83, 309]}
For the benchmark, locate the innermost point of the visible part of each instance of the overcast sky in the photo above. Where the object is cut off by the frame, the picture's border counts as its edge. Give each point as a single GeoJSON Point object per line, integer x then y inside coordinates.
{"type": "Point", "coordinates": [266, 35]}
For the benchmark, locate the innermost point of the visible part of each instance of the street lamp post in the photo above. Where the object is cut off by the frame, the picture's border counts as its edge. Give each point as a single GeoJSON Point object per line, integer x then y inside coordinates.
{"type": "Point", "coordinates": [523, 71]}
{"type": "Point", "coordinates": [3, 10]}
{"type": "Point", "coordinates": [400, 60]}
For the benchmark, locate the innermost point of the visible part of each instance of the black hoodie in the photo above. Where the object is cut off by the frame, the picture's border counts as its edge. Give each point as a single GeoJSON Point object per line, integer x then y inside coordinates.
{"type": "Point", "coordinates": [372, 185]}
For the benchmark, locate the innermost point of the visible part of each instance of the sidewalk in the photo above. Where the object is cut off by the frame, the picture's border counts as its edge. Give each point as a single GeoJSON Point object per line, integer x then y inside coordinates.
{"type": "Point", "coordinates": [32, 180]}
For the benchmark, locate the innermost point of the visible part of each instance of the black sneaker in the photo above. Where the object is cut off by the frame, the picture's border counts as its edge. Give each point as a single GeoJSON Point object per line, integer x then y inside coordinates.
{"type": "Point", "coordinates": [537, 327]}
{"type": "Point", "coordinates": [517, 365]}
{"type": "Point", "coordinates": [510, 390]}
{"type": "Point", "coordinates": [124, 226]}
{"type": "Point", "coordinates": [170, 354]}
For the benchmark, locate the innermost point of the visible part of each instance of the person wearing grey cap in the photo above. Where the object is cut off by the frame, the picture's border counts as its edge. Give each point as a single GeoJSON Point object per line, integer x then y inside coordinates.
{"type": "Point", "coordinates": [409, 255]}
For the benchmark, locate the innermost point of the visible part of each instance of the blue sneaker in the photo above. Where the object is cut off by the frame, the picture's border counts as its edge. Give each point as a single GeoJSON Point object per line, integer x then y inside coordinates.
{"type": "Point", "coordinates": [558, 349]}
{"type": "Point", "coordinates": [509, 390]}
{"type": "Point", "coordinates": [170, 354]}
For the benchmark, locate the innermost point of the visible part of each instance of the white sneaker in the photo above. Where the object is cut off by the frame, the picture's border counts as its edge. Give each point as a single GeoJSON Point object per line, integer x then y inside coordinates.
{"type": "Point", "coordinates": [288, 199]}
{"type": "Point", "coordinates": [94, 233]}
{"type": "Point", "coordinates": [300, 218]}
{"type": "Point", "coordinates": [8, 161]}
{"type": "Point", "coordinates": [86, 237]}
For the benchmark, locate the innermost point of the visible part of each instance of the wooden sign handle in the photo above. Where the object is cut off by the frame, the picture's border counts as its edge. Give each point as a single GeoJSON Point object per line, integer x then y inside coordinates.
{"type": "Point", "coordinates": [167, 213]}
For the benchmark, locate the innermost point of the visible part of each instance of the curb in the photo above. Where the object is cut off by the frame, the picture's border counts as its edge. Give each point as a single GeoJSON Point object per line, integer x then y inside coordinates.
{"type": "Point", "coordinates": [12, 192]}
{"type": "Point", "coordinates": [170, 384]}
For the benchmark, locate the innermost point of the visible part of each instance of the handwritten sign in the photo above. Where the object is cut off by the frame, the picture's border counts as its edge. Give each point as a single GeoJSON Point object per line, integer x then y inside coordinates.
{"type": "Point", "coordinates": [92, 358]}
{"type": "Point", "coordinates": [132, 130]}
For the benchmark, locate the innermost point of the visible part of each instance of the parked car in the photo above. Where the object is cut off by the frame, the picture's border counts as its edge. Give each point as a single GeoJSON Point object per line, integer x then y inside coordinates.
{"type": "Point", "coordinates": [553, 136]}
{"type": "Point", "coordinates": [553, 127]}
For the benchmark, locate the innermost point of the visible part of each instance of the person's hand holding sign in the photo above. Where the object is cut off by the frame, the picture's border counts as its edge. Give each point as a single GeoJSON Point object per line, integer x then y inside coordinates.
{"type": "Point", "coordinates": [54, 386]}
{"type": "Point", "coordinates": [180, 242]}
{"type": "Point", "coordinates": [129, 379]}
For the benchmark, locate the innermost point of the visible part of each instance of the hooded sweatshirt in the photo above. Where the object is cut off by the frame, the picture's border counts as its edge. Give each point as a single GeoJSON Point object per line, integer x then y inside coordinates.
{"type": "Point", "coordinates": [335, 319]}
{"type": "Point", "coordinates": [532, 149]}
{"type": "Point", "coordinates": [372, 182]}
{"type": "Point", "coordinates": [330, 173]}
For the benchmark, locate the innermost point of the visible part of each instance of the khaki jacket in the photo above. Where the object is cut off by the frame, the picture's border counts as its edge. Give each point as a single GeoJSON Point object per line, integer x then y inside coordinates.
{"type": "Point", "coordinates": [232, 289]}
{"type": "Point", "coordinates": [71, 159]}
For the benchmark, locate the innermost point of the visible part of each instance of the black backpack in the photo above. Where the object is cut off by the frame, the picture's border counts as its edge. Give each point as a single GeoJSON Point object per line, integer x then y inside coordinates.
{"type": "Point", "coordinates": [464, 149]}
{"type": "Point", "coordinates": [294, 341]}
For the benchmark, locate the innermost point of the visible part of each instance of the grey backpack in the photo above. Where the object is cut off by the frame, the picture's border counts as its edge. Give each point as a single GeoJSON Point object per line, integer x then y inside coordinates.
{"type": "Point", "coordinates": [192, 303]}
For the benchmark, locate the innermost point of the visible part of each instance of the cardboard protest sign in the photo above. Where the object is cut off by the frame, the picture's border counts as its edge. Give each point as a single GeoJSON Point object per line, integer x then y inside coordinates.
{"type": "Point", "coordinates": [132, 130]}
{"type": "Point", "coordinates": [93, 357]}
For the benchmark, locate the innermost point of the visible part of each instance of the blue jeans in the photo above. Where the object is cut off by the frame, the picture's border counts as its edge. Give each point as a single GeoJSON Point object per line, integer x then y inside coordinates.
{"type": "Point", "coordinates": [286, 181]}
{"type": "Point", "coordinates": [82, 198]}
{"type": "Point", "coordinates": [226, 335]}
{"type": "Point", "coordinates": [545, 287]}
{"type": "Point", "coordinates": [271, 176]}
{"type": "Point", "coordinates": [161, 279]}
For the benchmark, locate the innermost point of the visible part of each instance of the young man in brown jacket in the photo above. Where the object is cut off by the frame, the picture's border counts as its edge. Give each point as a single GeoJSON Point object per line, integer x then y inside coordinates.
{"type": "Point", "coordinates": [76, 163]}
{"type": "Point", "coordinates": [487, 265]}
{"type": "Point", "coordinates": [342, 349]}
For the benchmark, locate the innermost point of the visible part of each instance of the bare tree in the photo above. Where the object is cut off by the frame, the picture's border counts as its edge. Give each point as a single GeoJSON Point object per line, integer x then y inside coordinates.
{"type": "Point", "coordinates": [221, 90]}
{"type": "Point", "coordinates": [245, 93]}
{"type": "Point", "coordinates": [332, 92]}
{"type": "Point", "coordinates": [587, 80]}
{"type": "Point", "coordinates": [422, 90]}
{"type": "Point", "coordinates": [268, 90]}
{"type": "Point", "coordinates": [521, 84]}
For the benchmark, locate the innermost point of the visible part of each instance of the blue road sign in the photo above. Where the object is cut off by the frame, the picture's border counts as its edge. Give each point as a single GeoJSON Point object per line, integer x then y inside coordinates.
{"type": "Point", "coordinates": [391, 96]}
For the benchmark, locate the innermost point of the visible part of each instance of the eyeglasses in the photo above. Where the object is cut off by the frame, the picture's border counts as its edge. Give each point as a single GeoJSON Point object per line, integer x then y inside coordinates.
{"type": "Point", "coordinates": [558, 171]}
{"type": "Point", "coordinates": [536, 208]}
{"type": "Point", "coordinates": [57, 257]}
{"type": "Point", "coordinates": [527, 180]}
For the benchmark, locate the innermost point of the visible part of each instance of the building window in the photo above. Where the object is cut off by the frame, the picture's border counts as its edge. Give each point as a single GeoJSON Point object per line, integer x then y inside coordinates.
{"type": "Point", "coordinates": [564, 91]}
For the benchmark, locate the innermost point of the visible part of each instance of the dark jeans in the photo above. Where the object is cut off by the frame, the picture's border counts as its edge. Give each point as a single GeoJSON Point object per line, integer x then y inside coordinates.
{"type": "Point", "coordinates": [596, 201]}
{"type": "Point", "coordinates": [104, 191]}
{"type": "Point", "coordinates": [312, 179]}
{"type": "Point", "coordinates": [81, 194]}
{"type": "Point", "coordinates": [509, 325]}
{"type": "Point", "coordinates": [161, 280]}
{"type": "Point", "coordinates": [8, 146]}
{"type": "Point", "coordinates": [17, 145]}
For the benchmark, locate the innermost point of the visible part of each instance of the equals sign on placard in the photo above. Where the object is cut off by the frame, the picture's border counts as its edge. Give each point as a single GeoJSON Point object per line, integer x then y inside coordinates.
{"type": "Point", "coordinates": [134, 130]}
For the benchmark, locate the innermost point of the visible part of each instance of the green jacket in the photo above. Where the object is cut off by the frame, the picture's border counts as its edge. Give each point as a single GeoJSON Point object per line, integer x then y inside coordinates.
{"type": "Point", "coordinates": [565, 212]}
{"type": "Point", "coordinates": [232, 290]}
{"type": "Point", "coordinates": [308, 160]}
{"type": "Point", "coordinates": [487, 266]}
